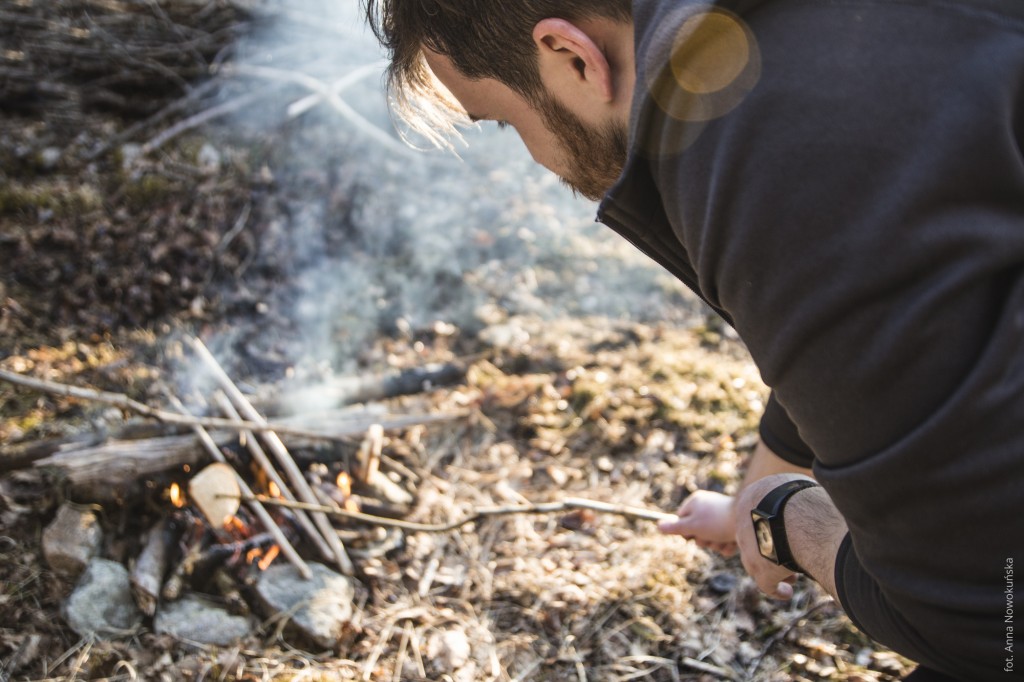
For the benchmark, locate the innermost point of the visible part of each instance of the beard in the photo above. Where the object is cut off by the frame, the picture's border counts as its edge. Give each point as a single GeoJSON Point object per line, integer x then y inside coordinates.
{"type": "Point", "coordinates": [594, 156]}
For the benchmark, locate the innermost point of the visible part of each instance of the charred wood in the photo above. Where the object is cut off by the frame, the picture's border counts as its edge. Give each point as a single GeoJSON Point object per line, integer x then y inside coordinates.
{"type": "Point", "coordinates": [147, 575]}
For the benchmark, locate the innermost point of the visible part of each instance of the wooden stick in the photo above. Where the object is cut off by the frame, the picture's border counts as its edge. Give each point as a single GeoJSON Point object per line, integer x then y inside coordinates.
{"type": "Point", "coordinates": [303, 105]}
{"type": "Point", "coordinates": [125, 403]}
{"type": "Point", "coordinates": [257, 508]}
{"type": "Point", "coordinates": [199, 119]}
{"type": "Point", "coordinates": [277, 447]}
{"type": "Point", "coordinates": [330, 96]}
{"type": "Point", "coordinates": [122, 401]}
{"type": "Point", "coordinates": [147, 575]}
{"type": "Point", "coordinates": [559, 506]}
{"type": "Point", "coordinates": [368, 457]}
{"type": "Point", "coordinates": [261, 458]}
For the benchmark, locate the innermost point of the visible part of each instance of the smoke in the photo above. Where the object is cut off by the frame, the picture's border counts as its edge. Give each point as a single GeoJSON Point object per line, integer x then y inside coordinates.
{"type": "Point", "coordinates": [370, 237]}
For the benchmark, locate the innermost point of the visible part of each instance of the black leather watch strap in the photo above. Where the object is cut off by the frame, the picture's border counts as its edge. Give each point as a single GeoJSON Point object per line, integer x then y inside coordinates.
{"type": "Point", "coordinates": [769, 511]}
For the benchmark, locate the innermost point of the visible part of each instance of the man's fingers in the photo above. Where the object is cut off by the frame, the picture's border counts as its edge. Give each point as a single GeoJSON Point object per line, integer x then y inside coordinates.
{"type": "Point", "coordinates": [783, 591]}
{"type": "Point", "coordinates": [676, 526]}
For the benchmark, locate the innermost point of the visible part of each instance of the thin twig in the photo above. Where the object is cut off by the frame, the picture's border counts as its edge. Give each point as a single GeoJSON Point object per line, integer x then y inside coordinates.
{"type": "Point", "coordinates": [123, 402]}
{"type": "Point", "coordinates": [567, 504]}
{"type": "Point", "coordinates": [276, 446]}
{"type": "Point", "coordinates": [257, 508]}
{"type": "Point", "coordinates": [199, 119]}
{"type": "Point", "coordinates": [330, 96]}
{"type": "Point", "coordinates": [298, 108]}
{"type": "Point", "coordinates": [708, 668]}
{"type": "Point", "coordinates": [261, 458]}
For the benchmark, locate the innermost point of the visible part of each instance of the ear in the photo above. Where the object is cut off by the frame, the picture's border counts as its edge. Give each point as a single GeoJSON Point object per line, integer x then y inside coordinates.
{"type": "Point", "coordinates": [569, 57]}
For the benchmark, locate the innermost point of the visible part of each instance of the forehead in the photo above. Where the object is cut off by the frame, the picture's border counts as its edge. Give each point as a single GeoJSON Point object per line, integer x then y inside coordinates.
{"type": "Point", "coordinates": [480, 97]}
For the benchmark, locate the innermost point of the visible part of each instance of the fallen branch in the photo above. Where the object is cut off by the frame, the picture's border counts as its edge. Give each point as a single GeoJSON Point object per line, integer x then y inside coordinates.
{"type": "Point", "coordinates": [123, 402]}
{"type": "Point", "coordinates": [201, 118]}
{"type": "Point", "coordinates": [564, 505]}
{"type": "Point", "coordinates": [329, 95]}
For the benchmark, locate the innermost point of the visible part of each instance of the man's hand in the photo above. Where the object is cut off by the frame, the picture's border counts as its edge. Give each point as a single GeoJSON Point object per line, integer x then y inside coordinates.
{"type": "Point", "coordinates": [707, 518]}
{"type": "Point", "coordinates": [774, 580]}
{"type": "Point", "coordinates": [814, 529]}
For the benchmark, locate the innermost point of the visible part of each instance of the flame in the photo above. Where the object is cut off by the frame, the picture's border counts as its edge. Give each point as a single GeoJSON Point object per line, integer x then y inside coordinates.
{"type": "Point", "coordinates": [235, 524]}
{"type": "Point", "coordinates": [351, 505]}
{"type": "Point", "coordinates": [344, 483]}
{"type": "Point", "coordinates": [269, 557]}
{"type": "Point", "coordinates": [273, 489]}
{"type": "Point", "coordinates": [175, 495]}
{"type": "Point", "coordinates": [253, 554]}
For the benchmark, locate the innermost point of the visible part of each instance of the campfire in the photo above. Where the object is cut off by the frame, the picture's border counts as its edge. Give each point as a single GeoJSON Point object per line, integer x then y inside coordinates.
{"type": "Point", "coordinates": [222, 526]}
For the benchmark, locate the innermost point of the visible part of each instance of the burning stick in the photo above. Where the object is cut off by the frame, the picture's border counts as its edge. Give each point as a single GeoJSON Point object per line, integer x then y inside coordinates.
{"type": "Point", "coordinates": [268, 468]}
{"type": "Point", "coordinates": [277, 447]}
{"type": "Point", "coordinates": [257, 508]}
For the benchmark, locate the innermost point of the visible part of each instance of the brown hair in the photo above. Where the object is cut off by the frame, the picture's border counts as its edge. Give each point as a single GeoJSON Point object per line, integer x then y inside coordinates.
{"type": "Point", "coordinates": [482, 38]}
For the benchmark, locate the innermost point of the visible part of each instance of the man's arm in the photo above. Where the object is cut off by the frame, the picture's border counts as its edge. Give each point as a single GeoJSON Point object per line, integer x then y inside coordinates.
{"type": "Point", "coordinates": [814, 528]}
{"type": "Point", "coordinates": [764, 462]}
{"type": "Point", "coordinates": [709, 518]}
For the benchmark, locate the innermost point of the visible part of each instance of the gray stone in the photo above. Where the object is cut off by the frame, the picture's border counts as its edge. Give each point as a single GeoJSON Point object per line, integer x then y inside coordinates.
{"type": "Point", "coordinates": [102, 603]}
{"type": "Point", "coordinates": [72, 540]}
{"type": "Point", "coordinates": [319, 607]}
{"type": "Point", "coordinates": [200, 620]}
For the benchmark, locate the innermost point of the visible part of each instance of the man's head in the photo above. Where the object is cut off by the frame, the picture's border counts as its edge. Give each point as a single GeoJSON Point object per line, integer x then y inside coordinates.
{"type": "Point", "coordinates": [559, 71]}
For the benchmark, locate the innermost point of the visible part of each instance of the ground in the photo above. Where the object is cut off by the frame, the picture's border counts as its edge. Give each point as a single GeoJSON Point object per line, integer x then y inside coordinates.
{"type": "Point", "coordinates": [112, 253]}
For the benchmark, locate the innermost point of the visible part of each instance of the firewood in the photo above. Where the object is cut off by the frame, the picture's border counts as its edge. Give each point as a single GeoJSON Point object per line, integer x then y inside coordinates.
{"type": "Point", "coordinates": [147, 575]}
{"type": "Point", "coordinates": [260, 456]}
{"type": "Point", "coordinates": [110, 470]}
{"type": "Point", "coordinates": [194, 539]}
{"type": "Point", "coordinates": [373, 387]}
{"type": "Point", "coordinates": [261, 513]}
{"type": "Point", "coordinates": [277, 447]}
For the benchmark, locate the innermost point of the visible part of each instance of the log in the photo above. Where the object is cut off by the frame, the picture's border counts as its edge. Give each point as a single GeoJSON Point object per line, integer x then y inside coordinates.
{"type": "Point", "coordinates": [102, 470]}
{"type": "Point", "coordinates": [374, 387]}
{"type": "Point", "coordinates": [147, 575]}
{"type": "Point", "coordinates": [109, 471]}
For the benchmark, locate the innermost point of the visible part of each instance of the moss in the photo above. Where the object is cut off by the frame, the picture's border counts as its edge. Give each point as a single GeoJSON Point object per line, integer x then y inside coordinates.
{"type": "Point", "coordinates": [18, 199]}
{"type": "Point", "coordinates": [147, 190]}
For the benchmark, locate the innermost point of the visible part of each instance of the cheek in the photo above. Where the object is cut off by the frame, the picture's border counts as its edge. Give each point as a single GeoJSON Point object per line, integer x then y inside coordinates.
{"type": "Point", "coordinates": [544, 148]}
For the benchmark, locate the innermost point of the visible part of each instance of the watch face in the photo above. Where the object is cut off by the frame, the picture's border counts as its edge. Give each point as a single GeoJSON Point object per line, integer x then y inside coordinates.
{"type": "Point", "coordinates": [764, 539]}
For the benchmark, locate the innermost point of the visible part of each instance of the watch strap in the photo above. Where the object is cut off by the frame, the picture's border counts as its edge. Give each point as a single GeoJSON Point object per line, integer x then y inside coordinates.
{"type": "Point", "coordinates": [771, 507]}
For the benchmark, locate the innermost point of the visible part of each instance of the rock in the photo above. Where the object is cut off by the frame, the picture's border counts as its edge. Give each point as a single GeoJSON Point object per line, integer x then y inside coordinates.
{"type": "Point", "coordinates": [72, 540]}
{"type": "Point", "coordinates": [723, 582]}
{"type": "Point", "coordinates": [195, 619]}
{"type": "Point", "coordinates": [102, 603]}
{"type": "Point", "coordinates": [319, 607]}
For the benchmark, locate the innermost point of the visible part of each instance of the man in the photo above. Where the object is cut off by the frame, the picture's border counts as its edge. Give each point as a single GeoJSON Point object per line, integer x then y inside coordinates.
{"type": "Point", "coordinates": [843, 182]}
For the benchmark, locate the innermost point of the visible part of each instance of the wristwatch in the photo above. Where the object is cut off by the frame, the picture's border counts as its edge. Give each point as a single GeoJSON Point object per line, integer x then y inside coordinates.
{"type": "Point", "coordinates": [769, 528]}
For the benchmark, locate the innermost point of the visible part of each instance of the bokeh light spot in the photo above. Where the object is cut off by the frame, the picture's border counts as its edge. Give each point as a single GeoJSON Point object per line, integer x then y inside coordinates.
{"type": "Point", "coordinates": [711, 50]}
